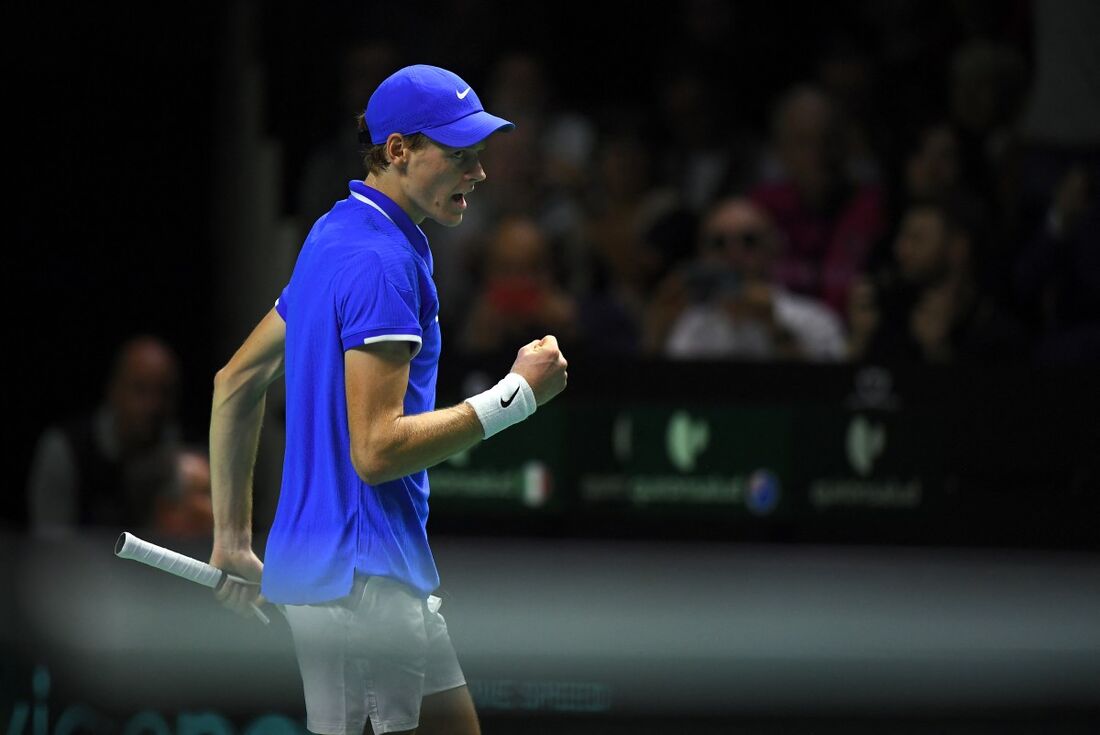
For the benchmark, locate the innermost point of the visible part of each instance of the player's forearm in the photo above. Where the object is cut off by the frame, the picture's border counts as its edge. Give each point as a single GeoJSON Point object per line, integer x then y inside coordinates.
{"type": "Point", "coordinates": [412, 443]}
{"type": "Point", "coordinates": [235, 420]}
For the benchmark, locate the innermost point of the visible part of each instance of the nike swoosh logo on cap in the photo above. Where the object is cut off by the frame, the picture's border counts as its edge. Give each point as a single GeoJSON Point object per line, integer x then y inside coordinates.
{"type": "Point", "coordinates": [462, 95]}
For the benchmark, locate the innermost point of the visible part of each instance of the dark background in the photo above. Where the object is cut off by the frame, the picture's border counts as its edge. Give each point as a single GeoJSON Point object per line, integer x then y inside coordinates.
{"type": "Point", "coordinates": [112, 152]}
{"type": "Point", "coordinates": [113, 112]}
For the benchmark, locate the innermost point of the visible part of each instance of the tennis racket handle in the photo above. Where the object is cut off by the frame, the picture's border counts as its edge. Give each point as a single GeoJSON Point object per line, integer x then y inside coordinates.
{"type": "Point", "coordinates": [130, 546]}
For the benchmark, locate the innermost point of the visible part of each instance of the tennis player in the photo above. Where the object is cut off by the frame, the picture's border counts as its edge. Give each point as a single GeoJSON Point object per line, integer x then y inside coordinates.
{"type": "Point", "coordinates": [357, 336]}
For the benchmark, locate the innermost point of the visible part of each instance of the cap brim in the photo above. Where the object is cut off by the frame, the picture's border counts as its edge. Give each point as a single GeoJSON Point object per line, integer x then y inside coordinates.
{"type": "Point", "coordinates": [469, 130]}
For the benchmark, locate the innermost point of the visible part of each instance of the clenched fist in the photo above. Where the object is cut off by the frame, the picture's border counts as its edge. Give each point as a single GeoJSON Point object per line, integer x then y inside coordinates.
{"type": "Point", "coordinates": [543, 366]}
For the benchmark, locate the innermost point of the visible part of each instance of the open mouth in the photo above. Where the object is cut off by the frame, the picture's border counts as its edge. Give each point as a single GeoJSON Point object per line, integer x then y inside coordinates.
{"type": "Point", "coordinates": [459, 200]}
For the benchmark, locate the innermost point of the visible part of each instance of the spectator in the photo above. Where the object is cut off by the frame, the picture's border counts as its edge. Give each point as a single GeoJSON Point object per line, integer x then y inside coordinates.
{"type": "Point", "coordinates": [932, 167]}
{"type": "Point", "coordinates": [514, 164]}
{"type": "Point", "coordinates": [623, 206]}
{"type": "Point", "coordinates": [719, 155]}
{"type": "Point", "coordinates": [559, 159]}
{"type": "Point", "coordinates": [987, 95]}
{"type": "Point", "coordinates": [518, 300]}
{"type": "Point", "coordinates": [987, 91]}
{"type": "Point", "coordinates": [726, 304]}
{"type": "Point", "coordinates": [830, 224]}
{"type": "Point", "coordinates": [109, 467]}
{"type": "Point", "coordinates": [928, 169]}
{"type": "Point", "coordinates": [1058, 274]}
{"type": "Point", "coordinates": [185, 512]}
{"type": "Point", "coordinates": [846, 73]}
{"type": "Point", "coordinates": [931, 307]}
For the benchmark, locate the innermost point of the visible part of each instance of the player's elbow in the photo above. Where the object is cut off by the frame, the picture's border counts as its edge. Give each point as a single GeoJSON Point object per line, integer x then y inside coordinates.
{"type": "Point", "coordinates": [376, 449]}
{"type": "Point", "coordinates": [240, 386]}
{"type": "Point", "coordinates": [365, 467]}
{"type": "Point", "coordinates": [223, 382]}
{"type": "Point", "coordinates": [371, 465]}
{"type": "Point", "coordinates": [230, 386]}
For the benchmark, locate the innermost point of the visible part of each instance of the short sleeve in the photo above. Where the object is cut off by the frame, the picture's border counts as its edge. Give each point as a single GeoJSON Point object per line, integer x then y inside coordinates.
{"type": "Point", "coordinates": [281, 305]}
{"type": "Point", "coordinates": [372, 309]}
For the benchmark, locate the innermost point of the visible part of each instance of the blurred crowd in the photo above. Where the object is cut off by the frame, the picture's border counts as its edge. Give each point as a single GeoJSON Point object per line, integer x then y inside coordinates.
{"type": "Point", "coordinates": [123, 465]}
{"type": "Point", "coordinates": [917, 197]}
{"type": "Point", "coordinates": [877, 213]}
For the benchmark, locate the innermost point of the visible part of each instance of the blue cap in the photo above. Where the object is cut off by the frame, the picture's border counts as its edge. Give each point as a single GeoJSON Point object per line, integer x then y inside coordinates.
{"type": "Point", "coordinates": [433, 101]}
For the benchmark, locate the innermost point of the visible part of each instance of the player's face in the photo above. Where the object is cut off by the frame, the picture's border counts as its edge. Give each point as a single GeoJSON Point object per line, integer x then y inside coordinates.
{"type": "Point", "coordinates": [438, 178]}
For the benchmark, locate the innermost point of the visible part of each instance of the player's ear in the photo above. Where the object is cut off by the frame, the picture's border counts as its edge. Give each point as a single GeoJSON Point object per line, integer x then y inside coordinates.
{"type": "Point", "coordinates": [396, 150]}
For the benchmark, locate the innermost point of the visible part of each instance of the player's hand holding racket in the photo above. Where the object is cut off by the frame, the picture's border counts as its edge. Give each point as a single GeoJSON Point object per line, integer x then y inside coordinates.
{"type": "Point", "coordinates": [242, 562]}
{"type": "Point", "coordinates": [543, 365]}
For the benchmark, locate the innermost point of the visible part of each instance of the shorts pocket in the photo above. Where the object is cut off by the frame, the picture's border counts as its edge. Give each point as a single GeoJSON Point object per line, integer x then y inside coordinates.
{"type": "Point", "coordinates": [389, 620]}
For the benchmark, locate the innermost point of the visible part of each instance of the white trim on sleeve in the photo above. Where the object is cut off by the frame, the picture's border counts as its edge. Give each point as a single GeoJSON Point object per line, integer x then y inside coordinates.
{"type": "Point", "coordinates": [397, 338]}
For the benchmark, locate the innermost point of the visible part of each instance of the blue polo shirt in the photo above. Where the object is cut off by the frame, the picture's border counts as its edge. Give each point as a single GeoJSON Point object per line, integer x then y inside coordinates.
{"type": "Point", "coordinates": [364, 275]}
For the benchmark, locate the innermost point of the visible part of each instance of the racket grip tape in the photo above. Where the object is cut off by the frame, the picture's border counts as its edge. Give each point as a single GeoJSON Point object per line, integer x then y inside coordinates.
{"type": "Point", "coordinates": [130, 546]}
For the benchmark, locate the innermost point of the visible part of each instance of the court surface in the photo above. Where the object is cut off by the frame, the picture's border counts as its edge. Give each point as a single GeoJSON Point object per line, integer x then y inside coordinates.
{"type": "Point", "coordinates": [558, 628]}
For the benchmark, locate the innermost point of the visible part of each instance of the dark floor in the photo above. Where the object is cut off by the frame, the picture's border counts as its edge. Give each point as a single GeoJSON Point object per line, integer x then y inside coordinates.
{"type": "Point", "coordinates": [1053, 723]}
{"type": "Point", "coordinates": [622, 637]}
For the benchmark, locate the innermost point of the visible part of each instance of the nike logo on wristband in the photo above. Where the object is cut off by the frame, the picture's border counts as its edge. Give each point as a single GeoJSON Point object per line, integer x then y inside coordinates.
{"type": "Point", "coordinates": [506, 404]}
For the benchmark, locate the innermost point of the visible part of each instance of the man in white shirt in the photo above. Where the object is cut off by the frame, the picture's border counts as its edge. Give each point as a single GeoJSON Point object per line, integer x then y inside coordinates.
{"type": "Point", "coordinates": [729, 305]}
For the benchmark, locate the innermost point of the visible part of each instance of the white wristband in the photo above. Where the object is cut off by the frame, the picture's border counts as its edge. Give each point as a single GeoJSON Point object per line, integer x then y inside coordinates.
{"type": "Point", "coordinates": [508, 402]}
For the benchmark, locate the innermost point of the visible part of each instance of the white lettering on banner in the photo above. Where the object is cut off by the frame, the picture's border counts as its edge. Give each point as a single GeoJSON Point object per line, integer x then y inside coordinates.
{"type": "Point", "coordinates": [905, 494]}
{"type": "Point", "coordinates": [547, 696]}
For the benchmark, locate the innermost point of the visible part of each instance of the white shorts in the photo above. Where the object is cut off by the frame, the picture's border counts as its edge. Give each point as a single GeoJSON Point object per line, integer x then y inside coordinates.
{"type": "Point", "coordinates": [373, 654]}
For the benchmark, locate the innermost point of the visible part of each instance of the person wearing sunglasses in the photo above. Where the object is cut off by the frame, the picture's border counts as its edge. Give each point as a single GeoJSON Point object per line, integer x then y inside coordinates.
{"type": "Point", "coordinates": [726, 304]}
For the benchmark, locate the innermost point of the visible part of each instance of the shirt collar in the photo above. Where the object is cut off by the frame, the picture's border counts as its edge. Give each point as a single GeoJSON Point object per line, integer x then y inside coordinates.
{"type": "Point", "coordinates": [395, 214]}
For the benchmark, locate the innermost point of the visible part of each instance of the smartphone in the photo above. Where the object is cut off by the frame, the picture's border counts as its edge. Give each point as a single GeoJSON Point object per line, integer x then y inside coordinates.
{"type": "Point", "coordinates": [709, 282]}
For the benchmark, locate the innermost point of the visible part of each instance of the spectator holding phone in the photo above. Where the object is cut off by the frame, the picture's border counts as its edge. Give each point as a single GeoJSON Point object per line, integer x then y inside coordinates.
{"type": "Point", "coordinates": [726, 303]}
